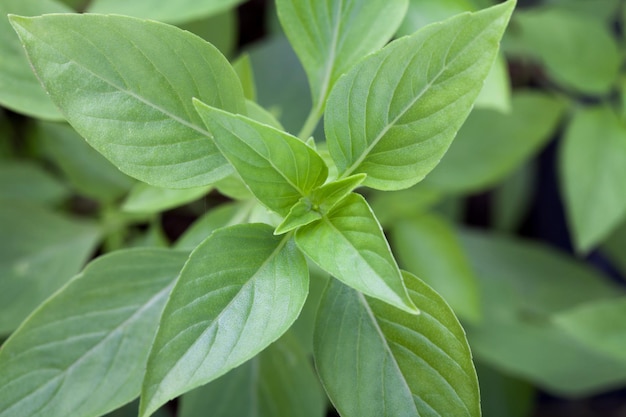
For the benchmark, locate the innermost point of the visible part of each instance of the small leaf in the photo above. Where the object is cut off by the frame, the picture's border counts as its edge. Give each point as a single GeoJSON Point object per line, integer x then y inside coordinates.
{"type": "Point", "coordinates": [126, 86]}
{"type": "Point", "coordinates": [20, 90]}
{"type": "Point", "coordinates": [509, 141]}
{"type": "Point", "coordinates": [278, 168]}
{"type": "Point", "coordinates": [222, 216]}
{"type": "Point", "coordinates": [279, 382]}
{"type": "Point", "coordinates": [593, 173]}
{"type": "Point", "coordinates": [240, 290]}
{"type": "Point", "coordinates": [427, 245]}
{"type": "Point", "coordinates": [145, 198]}
{"type": "Point", "coordinates": [320, 202]}
{"type": "Point", "coordinates": [83, 352]}
{"type": "Point", "coordinates": [166, 11]}
{"type": "Point", "coordinates": [41, 251]}
{"type": "Point", "coordinates": [330, 37]}
{"type": "Point", "coordinates": [349, 244]}
{"type": "Point", "coordinates": [395, 113]}
{"type": "Point", "coordinates": [377, 361]}
{"type": "Point", "coordinates": [243, 68]}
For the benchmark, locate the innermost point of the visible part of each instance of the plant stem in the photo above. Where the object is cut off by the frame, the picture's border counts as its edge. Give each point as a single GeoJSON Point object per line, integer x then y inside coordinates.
{"type": "Point", "coordinates": [310, 124]}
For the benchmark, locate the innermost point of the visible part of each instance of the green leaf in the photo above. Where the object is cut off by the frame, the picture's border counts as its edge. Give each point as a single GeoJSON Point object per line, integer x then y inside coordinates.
{"type": "Point", "coordinates": [83, 352]}
{"type": "Point", "coordinates": [424, 12]}
{"type": "Point", "coordinates": [501, 395]}
{"type": "Point", "coordinates": [330, 37]}
{"type": "Point", "coordinates": [278, 168]}
{"type": "Point", "coordinates": [615, 248]}
{"type": "Point", "coordinates": [377, 361]}
{"type": "Point", "coordinates": [126, 85]}
{"type": "Point", "coordinates": [243, 68]}
{"type": "Point", "coordinates": [355, 251]}
{"type": "Point", "coordinates": [221, 30]}
{"type": "Point", "coordinates": [404, 204]}
{"type": "Point", "coordinates": [145, 198]}
{"type": "Point", "coordinates": [593, 173]}
{"type": "Point", "coordinates": [513, 199]}
{"type": "Point", "coordinates": [30, 183]}
{"type": "Point", "coordinates": [602, 9]}
{"type": "Point", "coordinates": [523, 286]}
{"type": "Point", "coordinates": [20, 90]}
{"type": "Point", "coordinates": [258, 113]}
{"type": "Point", "coordinates": [279, 382]}
{"type": "Point", "coordinates": [491, 145]}
{"type": "Point", "coordinates": [577, 52]}
{"type": "Point", "coordinates": [41, 251]}
{"type": "Point", "coordinates": [395, 113]}
{"type": "Point", "coordinates": [166, 11]}
{"type": "Point", "coordinates": [320, 202]}
{"type": "Point", "coordinates": [496, 93]}
{"type": "Point", "coordinates": [240, 290]}
{"type": "Point", "coordinates": [598, 325]}
{"type": "Point", "coordinates": [427, 246]}
{"type": "Point", "coordinates": [89, 172]}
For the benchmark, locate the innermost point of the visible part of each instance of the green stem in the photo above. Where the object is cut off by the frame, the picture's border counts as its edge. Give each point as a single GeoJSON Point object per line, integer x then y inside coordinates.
{"type": "Point", "coordinates": [310, 124]}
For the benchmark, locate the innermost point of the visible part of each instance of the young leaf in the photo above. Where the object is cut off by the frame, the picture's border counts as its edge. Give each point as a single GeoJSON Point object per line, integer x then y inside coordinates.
{"type": "Point", "coordinates": [126, 85]}
{"type": "Point", "coordinates": [278, 168]}
{"type": "Point", "coordinates": [394, 115]}
{"type": "Point", "coordinates": [321, 201]}
{"type": "Point", "coordinates": [376, 361]}
{"type": "Point", "coordinates": [278, 382]}
{"type": "Point", "coordinates": [19, 88]}
{"type": "Point", "coordinates": [355, 251]}
{"type": "Point", "coordinates": [179, 11]}
{"type": "Point", "coordinates": [593, 174]}
{"type": "Point", "coordinates": [222, 216]}
{"type": "Point", "coordinates": [330, 37]}
{"type": "Point", "coordinates": [243, 68]}
{"type": "Point", "coordinates": [40, 252]}
{"type": "Point", "coordinates": [240, 290]}
{"type": "Point", "coordinates": [427, 245]}
{"type": "Point", "coordinates": [479, 158]}
{"type": "Point", "coordinates": [83, 352]}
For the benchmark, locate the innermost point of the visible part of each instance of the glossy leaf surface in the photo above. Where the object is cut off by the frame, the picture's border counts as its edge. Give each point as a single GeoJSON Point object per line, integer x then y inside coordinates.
{"type": "Point", "coordinates": [126, 86]}
{"type": "Point", "coordinates": [395, 113]}
{"type": "Point", "coordinates": [19, 88]}
{"type": "Point", "coordinates": [83, 352]}
{"type": "Point", "coordinates": [331, 36]}
{"type": "Point", "coordinates": [278, 168]}
{"type": "Point", "coordinates": [593, 174]}
{"type": "Point", "coordinates": [491, 145]}
{"type": "Point", "coordinates": [355, 251]}
{"type": "Point", "coordinates": [241, 289]}
{"type": "Point", "coordinates": [279, 382]}
{"type": "Point", "coordinates": [163, 10]}
{"type": "Point", "coordinates": [41, 251]}
{"type": "Point", "coordinates": [377, 361]}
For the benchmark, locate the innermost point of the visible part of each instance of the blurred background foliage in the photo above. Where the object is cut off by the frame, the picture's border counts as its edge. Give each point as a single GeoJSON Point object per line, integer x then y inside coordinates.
{"type": "Point", "coordinates": [522, 226]}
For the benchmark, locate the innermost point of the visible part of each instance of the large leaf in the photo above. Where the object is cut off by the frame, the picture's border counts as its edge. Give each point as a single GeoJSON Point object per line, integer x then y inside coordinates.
{"type": "Point", "coordinates": [28, 182]}
{"type": "Point", "coordinates": [523, 286]}
{"type": "Point", "coordinates": [593, 174]}
{"type": "Point", "coordinates": [355, 251]}
{"type": "Point", "coordinates": [126, 86]}
{"type": "Point", "coordinates": [178, 11]}
{"type": "Point", "coordinates": [394, 115]}
{"type": "Point", "coordinates": [491, 145]}
{"type": "Point", "coordinates": [278, 168]}
{"type": "Point", "coordinates": [241, 289]}
{"type": "Point", "coordinates": [19, 88]}
{"type": "Point", "coordinates": [331, 36]}
{"type": "Point", "coordinates": [83, 352]}
{"type": "Point", "coordinates": [428, 247]}
{"type": "Point", "coordinates": [279, 382]}
{"type": "Point", "coordinates": [577, 52]}
{"type": "Point", "coordinates": [377, 361]}
{"type": "Point", "coordinates": [88, 171]}
{"type": "Point", "coordinates": [39, 252]}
